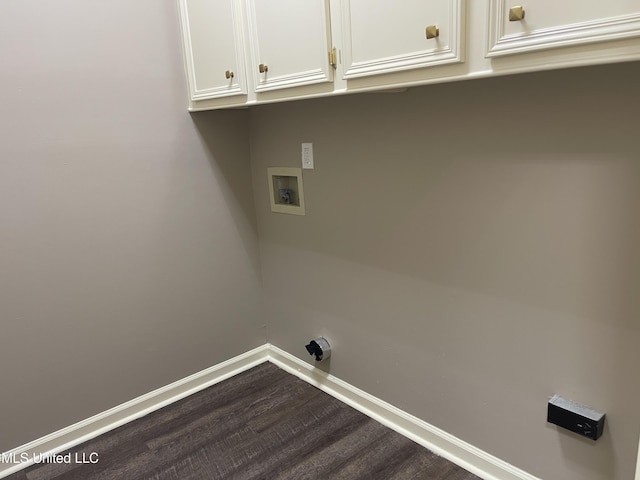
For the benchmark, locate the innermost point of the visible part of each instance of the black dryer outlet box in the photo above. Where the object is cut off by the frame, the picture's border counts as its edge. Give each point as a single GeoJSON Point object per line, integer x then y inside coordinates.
{"type": "Point", "coordinates": [575, 417]}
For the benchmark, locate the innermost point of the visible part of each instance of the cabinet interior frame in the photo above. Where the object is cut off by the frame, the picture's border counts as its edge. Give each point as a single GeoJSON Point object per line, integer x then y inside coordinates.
{"type": "Point", "coordinates": [600, 30]}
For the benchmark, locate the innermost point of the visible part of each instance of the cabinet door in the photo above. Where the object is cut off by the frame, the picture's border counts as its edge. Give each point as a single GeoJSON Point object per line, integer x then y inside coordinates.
{"type": "Point", "coordinates": [214, 50]}
{"type": "Point", "coordinates": [553, 23]}
{"type": "Point", "coordinates": [382, 36]}
{"type": "Point", "coordinates": [290, 43]}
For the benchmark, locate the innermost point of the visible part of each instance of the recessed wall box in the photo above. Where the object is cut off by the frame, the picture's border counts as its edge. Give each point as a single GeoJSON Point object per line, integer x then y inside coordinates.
{"type": "Point", "coordinates": [285, 190]}
{"type": "Point", "coordinates": [575, 417]}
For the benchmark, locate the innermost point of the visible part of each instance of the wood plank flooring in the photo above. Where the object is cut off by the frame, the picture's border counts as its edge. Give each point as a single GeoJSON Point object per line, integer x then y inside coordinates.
{"type": "Point", "coordinates": [261, 424]}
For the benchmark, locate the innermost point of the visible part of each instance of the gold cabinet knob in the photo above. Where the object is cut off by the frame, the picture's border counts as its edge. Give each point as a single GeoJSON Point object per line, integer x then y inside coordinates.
{"type": "Point", "coordinates": [433, 31]}
{"type": "Point", "coordinates": [516, 13]}
{"type": "Point", "coordinates": [228, 74]}
{"type": "Point", "coordinates": [263, 68]}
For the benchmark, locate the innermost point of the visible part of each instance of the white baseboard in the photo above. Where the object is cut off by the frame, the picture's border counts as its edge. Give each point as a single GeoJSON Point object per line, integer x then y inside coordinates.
{"type": "Point", "coordinates": [470, 458]}
{"type": "Point", "coordinates": [638, 463]}
{"type": "Point", "coordinates": [467, 456]}
{"type": "Point", "coordinates": [92, 427]}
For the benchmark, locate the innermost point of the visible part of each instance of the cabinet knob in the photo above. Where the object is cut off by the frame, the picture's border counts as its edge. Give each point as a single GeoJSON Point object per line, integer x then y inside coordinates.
{"type": "Point", "coordinates": [433, 31]}
{"type": "Point", "coordinates": [228, 74]}
{"type": "Point", "coordinates": [263, 68]}
{"type": "Point", "coordinates": [516, 13]}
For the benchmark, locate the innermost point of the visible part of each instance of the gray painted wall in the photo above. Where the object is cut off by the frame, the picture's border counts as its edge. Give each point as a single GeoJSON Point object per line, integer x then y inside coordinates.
{"type": "Point", "coordinates": [470, 250]}
{"type": "Point", "coordinates": [128, 248]}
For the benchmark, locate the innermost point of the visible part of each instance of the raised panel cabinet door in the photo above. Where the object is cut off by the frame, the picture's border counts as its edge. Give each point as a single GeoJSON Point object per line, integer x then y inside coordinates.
{"type": "Point", "coordinates": [213, 45]}
{"type": "Point", "coordinates": [290, 43]}
{"type": "Point", "coordinates": [383, 37]}
{"type": "Point", "coordinates": [529, 25]}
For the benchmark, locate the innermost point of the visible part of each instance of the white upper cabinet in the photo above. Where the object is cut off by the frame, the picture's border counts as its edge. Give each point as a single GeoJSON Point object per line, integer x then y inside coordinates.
{"type": "Point", "coordinates": [213, 46]}
{"type": "Point", "coordinates": [383, 37]}
{"type": "Point", "coordinates": [246, 52]}
{"type": "Point", "coordinates": [290, 42]}
{"type": "Point", "coordinates": [540, 24]}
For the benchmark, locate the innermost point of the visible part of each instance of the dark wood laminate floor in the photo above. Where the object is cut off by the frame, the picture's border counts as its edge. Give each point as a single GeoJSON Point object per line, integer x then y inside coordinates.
{"type": "Point", "coordinates": [261, 424]}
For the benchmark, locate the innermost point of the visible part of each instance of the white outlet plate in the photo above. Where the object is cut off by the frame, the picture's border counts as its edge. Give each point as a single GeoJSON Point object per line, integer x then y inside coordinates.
{"type": "Point", "coordinates": [307, 156]}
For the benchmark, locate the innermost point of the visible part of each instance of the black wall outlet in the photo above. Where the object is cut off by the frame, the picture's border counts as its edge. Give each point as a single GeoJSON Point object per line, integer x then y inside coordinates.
{"type": "Point", "coordinates": [575, 417]}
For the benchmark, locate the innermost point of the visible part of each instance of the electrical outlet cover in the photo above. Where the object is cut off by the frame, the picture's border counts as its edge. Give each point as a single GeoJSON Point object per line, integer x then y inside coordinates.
{"type": "Point", "coordinates": [307, 156]}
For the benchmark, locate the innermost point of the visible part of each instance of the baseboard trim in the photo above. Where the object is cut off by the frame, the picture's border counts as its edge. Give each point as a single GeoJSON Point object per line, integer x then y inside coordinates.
{"type": "Point", "coordinates": [113, 418]}
{"type": "Point", "coordinates": [638, 463]}
{"type": "Point", "coordinates": [473, 459]}
{"type": "Point", "coordinates": [480, 463]}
